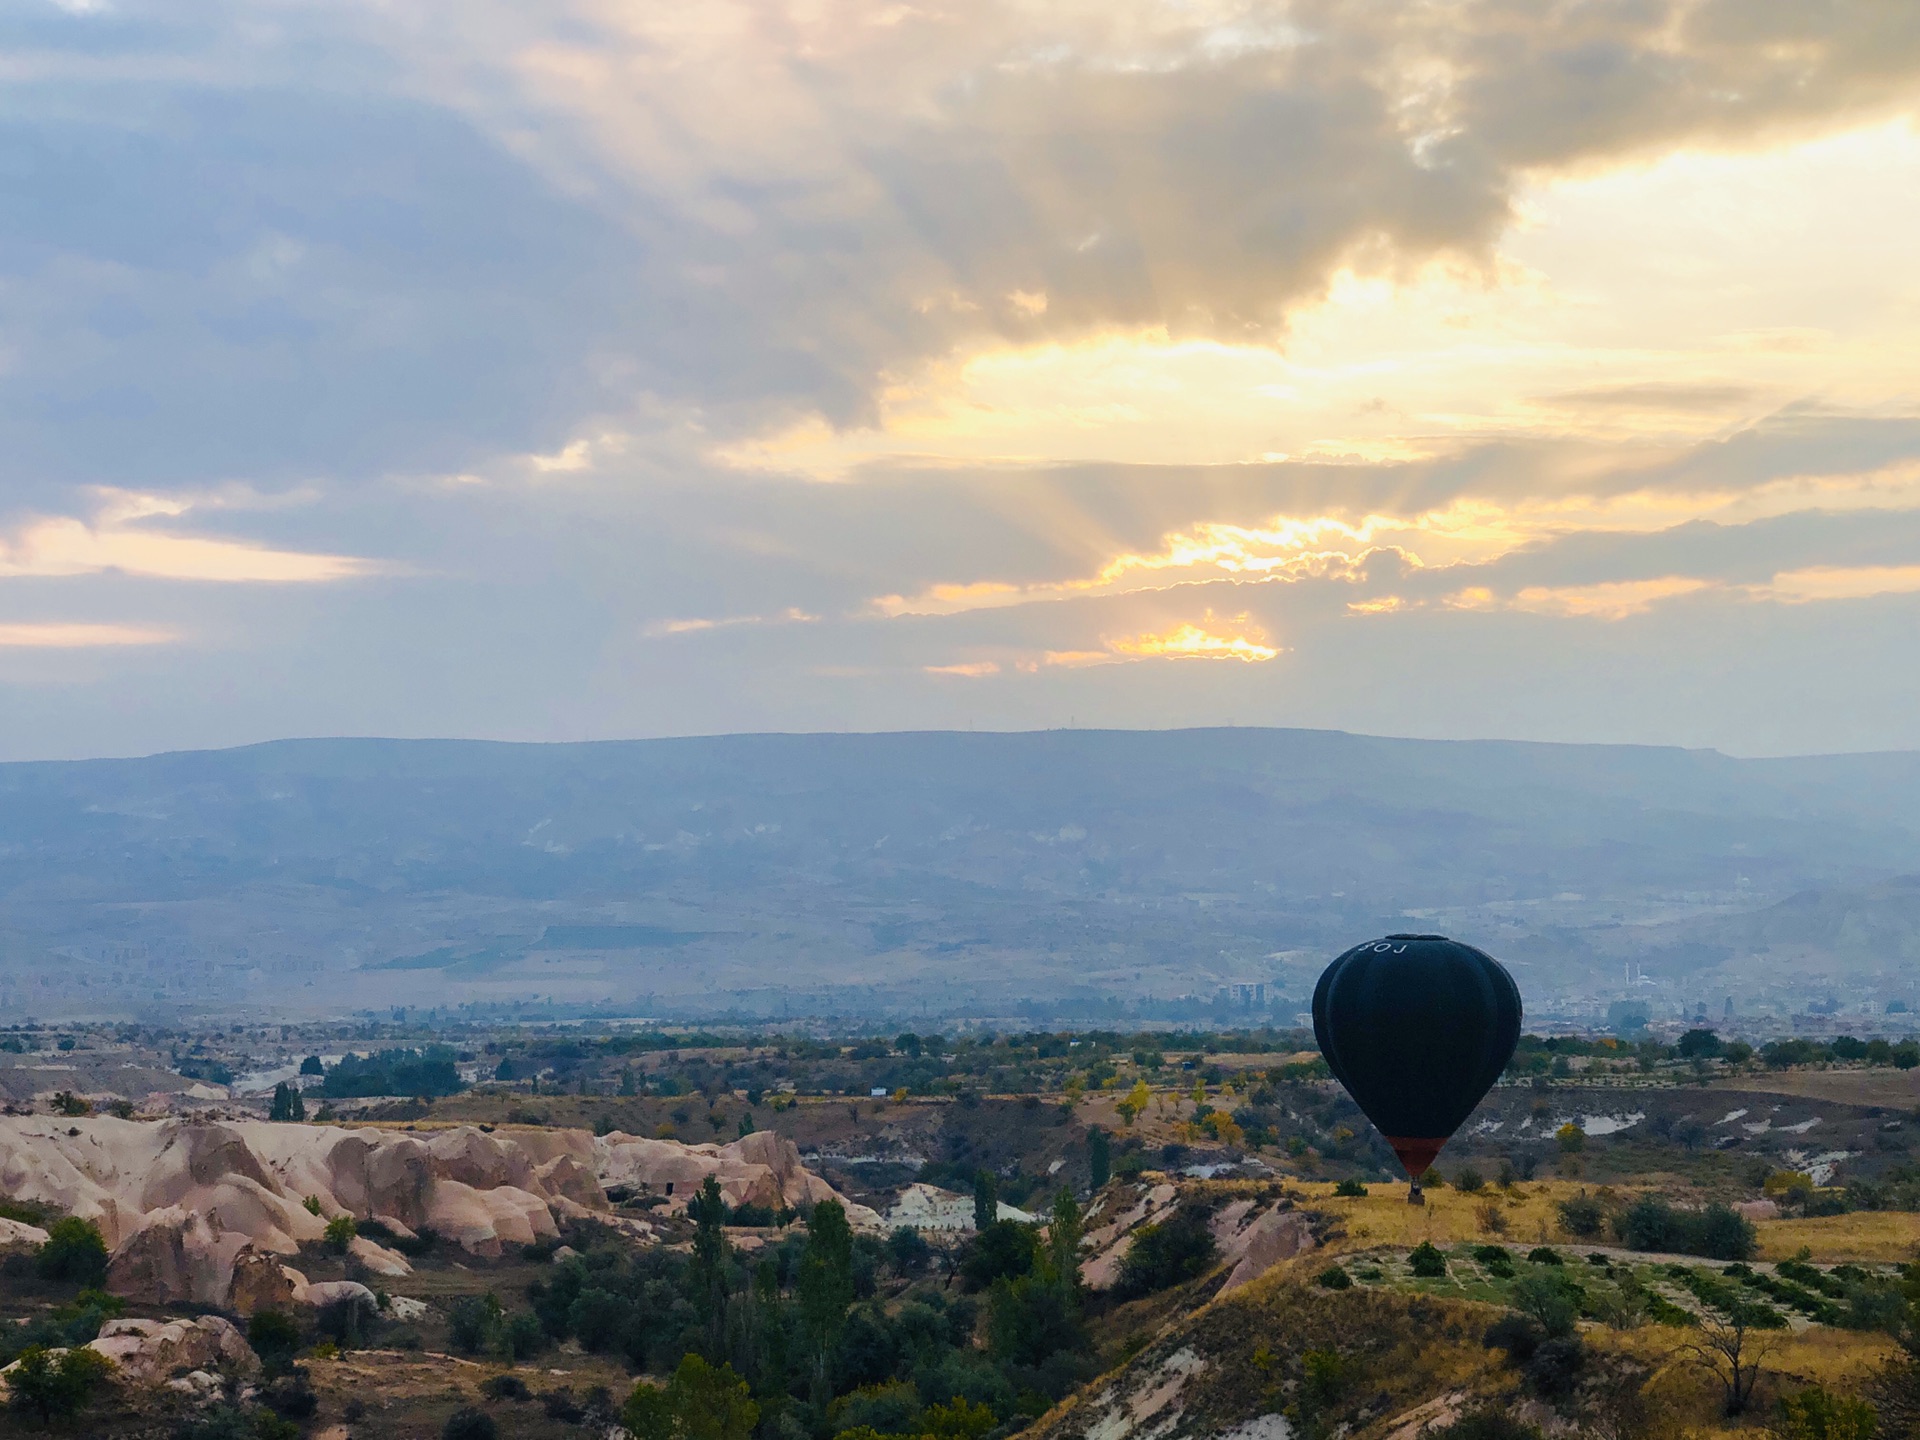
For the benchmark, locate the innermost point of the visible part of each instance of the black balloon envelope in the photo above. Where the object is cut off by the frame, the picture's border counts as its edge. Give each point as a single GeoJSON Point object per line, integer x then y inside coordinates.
{"type": "Point", "coordinates": [1417, 1027]}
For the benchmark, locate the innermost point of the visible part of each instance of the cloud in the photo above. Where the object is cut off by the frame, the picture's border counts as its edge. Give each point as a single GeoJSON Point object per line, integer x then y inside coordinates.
{"type": "Point", "coordinates": [1243, 642]}
{"type": "Point", "coordinates": [75, 635]}
{"type": "Point", "coordinates": [115, 541]}
{"type": "Point", "coordinates": [793, 615]}
{"type": "Point", "coordinates": [1827, 582]}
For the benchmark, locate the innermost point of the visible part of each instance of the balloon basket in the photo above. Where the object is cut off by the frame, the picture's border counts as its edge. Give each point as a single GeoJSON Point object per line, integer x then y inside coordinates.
{"type": "Point", "coordinates": [1416, 1196]}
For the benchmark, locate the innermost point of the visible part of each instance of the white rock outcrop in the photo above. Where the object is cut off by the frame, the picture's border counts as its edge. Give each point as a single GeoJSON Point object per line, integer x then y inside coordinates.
{"type": "Point", "coordinates": [146, 1352]}
{"type": "Point", "coordinates": [208, 1212]}
{"type": "Point", "coordinates": [758, 1169]}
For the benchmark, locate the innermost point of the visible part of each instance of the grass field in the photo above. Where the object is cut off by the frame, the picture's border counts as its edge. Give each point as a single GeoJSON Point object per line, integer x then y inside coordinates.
{"type": "Point", "coordinates": [1528, 1214]}
{"type": "Point", "coordinates": [1867, 1236]}
{"type": "Point", "coordinates": [1883, 1085]}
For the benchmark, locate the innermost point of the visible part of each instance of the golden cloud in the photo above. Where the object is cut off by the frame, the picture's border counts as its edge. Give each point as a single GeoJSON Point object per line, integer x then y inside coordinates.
{"type": "Point", "coordinates": [1191, 642]}
{"type": "Point", "coordinates": [65, 546]}
{"type": "Point", "coordinates": [62, 635]}
{"type": "Point", "coordinates": [792, 615]}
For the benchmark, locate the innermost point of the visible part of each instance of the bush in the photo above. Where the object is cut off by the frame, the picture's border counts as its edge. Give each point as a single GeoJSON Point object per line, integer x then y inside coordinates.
{"type": "Point", "coordinates": [1547, 1301]}
{"type": "Point", "coordinates": [524, 1337]}
{"type": "Point", "coordinates": [291, 1396]}
{"type": "Point", "coordinates": [1427, 1262]}
{"type": "Point", "coordinates": [1515, 1334]}
{"type": "Point", "coordinates": [1814, 1414]}
{"type": "Point", "coordinates": [1496, 1260]}
{"type": "Point", "coordinates": [1334, 1278]}
{"type": "Point", "coordinates": [1168, 1254]}
{"type": "Point", "coordinates": [1351, 1189]}
{"type": "Point", "coordinates": [1468, 1181]}
{"type": "Point", "coordinates": [74, 1252]}
{"type": "Point", "coordinates": [1545, 1255]}
{"type": "Point", "coordinates": [274, 1336]}
{"type": "Point", "coordinates": [1005, 1250]}
{"type": "Point", "coordinates": [472, 1323]}
{"type": "Point", "coordinates": [1582, 1216]}
{"type": "Point", "coordinates": [54, 1387]}
{"type": "Point", "coordinates": [1555, 1367]}
{"type": "Point", "coordinates": [907, 1251]}
{"type": "Point", "coordinates": [1716, 1232]}
{"type": "Point", "coordinates": [506, 1387]}
{"type": "Point", "coordinates": [470, 1424]}
{"type": "Point", "coordinates": [340, 1232]}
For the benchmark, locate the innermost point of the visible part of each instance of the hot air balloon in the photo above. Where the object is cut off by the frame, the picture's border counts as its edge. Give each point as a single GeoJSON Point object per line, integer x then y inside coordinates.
{"type": "Point", "coordinates": [1417, 1027]}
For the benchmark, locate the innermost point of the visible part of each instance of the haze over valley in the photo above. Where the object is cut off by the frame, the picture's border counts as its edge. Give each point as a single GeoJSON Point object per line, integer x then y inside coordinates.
{"type": "Point", "coordinates": [1065, 873]}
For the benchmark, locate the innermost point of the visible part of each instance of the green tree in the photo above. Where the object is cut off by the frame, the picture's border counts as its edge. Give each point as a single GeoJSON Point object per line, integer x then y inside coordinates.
{"type": "Point", "coordinates": [1099, 1157]}
{"type": "Point", "coordinates": [699, 1402]}
{"type": "Point", "coordinates": [340, 1232]}
{"type": "Point", "coordinates": [986, 1199]}
{"type": "Point", "coordinates": [287, 1105]}
{"type": "Point", "coordinates": [1543, 1297]}
{"type": "Point", "coordinates": [74, 1252]}
{"type": "Point", "coordinates": [312, 1066]}
{"type": "Point", "coordinates": [1064, 1229]}
{"type": "Point", "coordinates": [708, 1274]}
{"type": "Point", "coordinates": [825, 1283]}
{"type": "Point", "coordinates": [54, 1386]}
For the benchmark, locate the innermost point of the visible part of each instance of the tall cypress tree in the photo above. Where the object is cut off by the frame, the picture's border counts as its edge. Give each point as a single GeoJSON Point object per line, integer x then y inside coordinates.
{"type": "Point", "coordinates": [986, 1200]}
{"type": "Point", "coordinates": [708, 1273]}
{"type": "Point", "coordinates": [826, 1289]}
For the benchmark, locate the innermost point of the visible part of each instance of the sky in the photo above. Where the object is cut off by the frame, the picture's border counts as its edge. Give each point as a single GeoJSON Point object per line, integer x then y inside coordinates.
{"type": "Point", "coordinates": [554, 371]}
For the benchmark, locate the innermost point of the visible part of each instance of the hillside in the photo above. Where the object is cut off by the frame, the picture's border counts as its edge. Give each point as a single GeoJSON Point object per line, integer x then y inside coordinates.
{"type": "Point", "coordinates": [779, 873]}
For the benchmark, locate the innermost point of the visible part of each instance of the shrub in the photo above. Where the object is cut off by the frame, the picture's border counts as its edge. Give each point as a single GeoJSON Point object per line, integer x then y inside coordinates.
{"type": "Point", "coordinates": [1427, 1263]}
{"type": "Point", "coordinates": [1513, 1333]}
{"type": "Point", "coordinates": [1571, 1138]}
{"type": "Point", "coordinates": [524, 1337]}
{"type": "Point", "coordinates": [291, 1396]}
{"type": "Point", "coordinates": [74, 1252]}
{"type": "Point", "coordinates": [907, 1251]}
{"type": "Point", "coordinates": [1582, 1216]}
{"type": "Point", "coordinates": [472, 1323]}
{"type": "Point", "coordinates": [1547, 1301]}
{"type": "Point", "coordinates": [1545, 1255]}
{"type": "Point", "coordinates": [1716, 1232]}
{"type": "Point", "coordinates": [1496, 1260]}
{"type": "Point", "coordinates": [1334, 1278]}
{"type": "Point", "coordinates": [274, 1336]}
{"type": "Point", "coordinates": [1351, 1189]}
{"type": "Point", "coordinates": [1167, 1254]}
{"type": "Point", "coordinates": [1468, 1181]}
{"type": "Point", "coordinates": [1555, 1367]}
{"type": "Point", "coordinates": [470, 1424]}
{"type": "Point", "coordinates": [340, 1232]}
{"type": "Point", "coordinates": [1814, 1414]}
{"type": "Point", "coordinates": [506, 1387]}
{"type": "Point", "coordinates": [56, 1386]}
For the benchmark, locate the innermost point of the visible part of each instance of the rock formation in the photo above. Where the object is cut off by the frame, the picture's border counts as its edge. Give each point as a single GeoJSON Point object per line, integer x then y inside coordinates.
{"type": "Point", "coordinates": [207, 1212]}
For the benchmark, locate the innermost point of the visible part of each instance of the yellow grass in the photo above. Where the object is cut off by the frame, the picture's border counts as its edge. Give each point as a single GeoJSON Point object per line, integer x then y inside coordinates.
{"type": "Point", "coordinates": [1864, 1235]}
{"type": "Point", "coordinates": [1383, 1217]}
{"type": "Point", "coordinates": [1819, 1354]}
{"type": "Point", "coordinates": [1866, 1086]}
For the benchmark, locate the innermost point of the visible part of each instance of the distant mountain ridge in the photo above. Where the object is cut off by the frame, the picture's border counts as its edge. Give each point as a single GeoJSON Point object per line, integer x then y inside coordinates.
{"type": "Point", "coordinates": [895, 870]}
